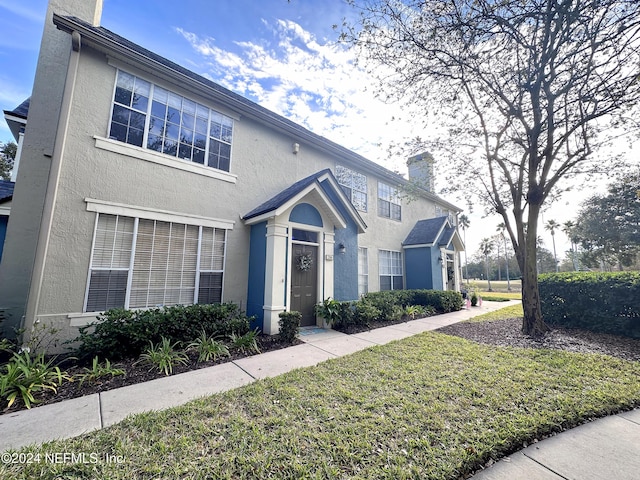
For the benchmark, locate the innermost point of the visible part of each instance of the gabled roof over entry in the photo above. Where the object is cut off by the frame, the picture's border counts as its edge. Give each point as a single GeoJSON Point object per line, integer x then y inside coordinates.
{"type": "Point", "coordinates": [433, 231]}
{"type": "Point", "coordinates": [17, 118]}
{"type": "Point", "coordinates": [311, 185]}
{"type": "Point", "coordinates": [6, 190]}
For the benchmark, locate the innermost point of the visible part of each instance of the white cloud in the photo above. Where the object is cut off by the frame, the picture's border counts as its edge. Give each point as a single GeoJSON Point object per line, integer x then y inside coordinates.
{"type": "Point", "coordinates": [317, 85]}
{"type": "Point", "coordinates": [312, 83]}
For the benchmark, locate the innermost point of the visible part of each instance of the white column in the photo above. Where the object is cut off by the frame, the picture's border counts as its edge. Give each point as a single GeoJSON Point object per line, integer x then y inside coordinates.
{"type": "Point", "coordinates": [457, 270]}
{"type": "Point", "coordinates": [443, 268]}
{"type": "Point", "coordinates": [327, 284]}
{"type": "Point", "coordinates": [275, 276]}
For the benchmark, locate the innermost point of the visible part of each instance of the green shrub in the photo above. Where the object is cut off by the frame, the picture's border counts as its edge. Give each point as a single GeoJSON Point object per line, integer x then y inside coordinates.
{"type": "Point", "coordinates": [122, 333]}
{"type": "Point", "coordinates": [391, 306]}
{"type": "Point", "coordinates": [442, 301]}
{"type": "Point", "coordinates": [596, 301]}
{"type": "Point", "coordinates": [26, 374]}
{"type": "Point", "coordinates": [247, 343]}
{"type": "Point", "coordinates": [474, 299]}
{"type": "Point", "coordinates": [208, 347]}
{"type": "Point", "coordinates": [413, 311]}
{"type": "Point", "coordinates": [289, 325]}
{"type": "Point", "coordinates": [366, 312]}
{"type": "Point", "coordinates": [163, 356]}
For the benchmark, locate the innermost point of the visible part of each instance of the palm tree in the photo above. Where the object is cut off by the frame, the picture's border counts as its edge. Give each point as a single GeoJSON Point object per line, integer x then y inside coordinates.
{"type": "Point", "coordinates": [569, 229]}
{"type": "Point", "coordinates": [464, 222]}
{"type": "Point", "coordinates": [486, 247]}
{"type": "Point", "coordinates": [501, 229]}
{"type": "Point", "coordinates": [551, 225]}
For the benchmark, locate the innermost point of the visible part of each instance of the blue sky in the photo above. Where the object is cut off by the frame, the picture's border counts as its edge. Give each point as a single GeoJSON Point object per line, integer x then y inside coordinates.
{"type": "Point", "coordinates": [281, 54]}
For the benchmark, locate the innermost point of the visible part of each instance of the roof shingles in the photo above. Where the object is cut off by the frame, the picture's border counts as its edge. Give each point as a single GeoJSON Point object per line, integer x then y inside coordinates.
{"type": "Point", "coordinates": [425, 232]}
{"type": "Point", "coordinates": [6, 190]}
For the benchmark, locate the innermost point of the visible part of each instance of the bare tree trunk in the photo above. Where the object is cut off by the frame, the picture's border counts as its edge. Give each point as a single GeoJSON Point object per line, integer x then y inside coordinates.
{"type": "Point", "coordinates": [532, 323]}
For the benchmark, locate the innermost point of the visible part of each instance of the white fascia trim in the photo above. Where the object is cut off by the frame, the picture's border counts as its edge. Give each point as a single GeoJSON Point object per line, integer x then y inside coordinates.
{"type": "Point", "coordinates": [314, 187]}
{"type": "Point", "coordinates": [346, 201]}
{"type": "Point", "coordinates": [112, 208]}
{"type": "Point", "coordinates": [423, 245]}
{"type": "Point", "coordinates": [12, 118]}
{"type": "Point", "coordinates": [161, 159]}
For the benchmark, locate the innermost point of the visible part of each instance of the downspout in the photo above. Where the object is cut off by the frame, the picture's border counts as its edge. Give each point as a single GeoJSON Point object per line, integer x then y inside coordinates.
{"type": "Point", "coordinates": [51, 196]}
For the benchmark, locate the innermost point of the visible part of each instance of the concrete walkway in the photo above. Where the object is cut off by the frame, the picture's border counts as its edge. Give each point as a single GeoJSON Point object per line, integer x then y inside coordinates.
{"type": "Point", "coordinates": [606, 449]}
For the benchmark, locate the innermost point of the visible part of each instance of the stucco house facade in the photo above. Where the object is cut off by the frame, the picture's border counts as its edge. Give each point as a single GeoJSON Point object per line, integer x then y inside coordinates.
{"type": "Point", "coordinates": [141, 184]}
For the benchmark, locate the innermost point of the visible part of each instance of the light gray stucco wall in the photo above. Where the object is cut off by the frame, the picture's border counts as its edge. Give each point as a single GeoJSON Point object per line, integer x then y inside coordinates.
{"type": "Point", "coordinates": [39, 141]}
{"type": "Point", "coordinates": [262, 159]}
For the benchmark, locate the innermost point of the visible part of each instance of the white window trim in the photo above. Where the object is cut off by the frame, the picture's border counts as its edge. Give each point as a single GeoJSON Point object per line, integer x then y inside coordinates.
{"type": "Point", "coordinates": [366, 250]}
{"type": "Point", "coordinates": [350, 187]}
{"type": "Point", "coordinates": [392, 275]}
{"type": "Point", "coordinates": [112, 208]}
{"type": "Point", "coordinates": [399, 204]}
{"type": "Point", "coordinates": [152, 156]}
{"type": "Point", "coordinates": [86, 317]}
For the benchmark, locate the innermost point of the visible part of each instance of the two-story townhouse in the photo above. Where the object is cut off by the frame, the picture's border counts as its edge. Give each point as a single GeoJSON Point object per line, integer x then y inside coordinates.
{"type": "Point", "coordinates": [143, 184]}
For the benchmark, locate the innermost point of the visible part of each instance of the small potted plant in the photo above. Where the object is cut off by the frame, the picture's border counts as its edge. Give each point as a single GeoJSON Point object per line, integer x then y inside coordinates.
{"type": "Point", "coordinates": [329, 311]}
{"type": "Point", "coordinates": [474, 299]}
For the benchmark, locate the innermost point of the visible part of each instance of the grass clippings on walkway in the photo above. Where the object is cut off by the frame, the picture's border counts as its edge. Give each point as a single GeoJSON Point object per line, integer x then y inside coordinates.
{"type": "Point", "coordinates": [430, 406]}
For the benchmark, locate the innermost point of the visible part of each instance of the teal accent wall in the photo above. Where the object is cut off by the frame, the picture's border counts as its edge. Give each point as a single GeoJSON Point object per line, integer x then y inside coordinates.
{"type": "Point", "coordinates": [4, 220]}
{"type": "Point", "coordinates": [345, 267]}
{"type": "Point", "coordinates": [257, 266]}
{"type": "Point", "coordinates": [417, 267]}
{"type": "Point", "coordinates": [437, 268]}
{"type": "Point", "coordinates": [306, 214]}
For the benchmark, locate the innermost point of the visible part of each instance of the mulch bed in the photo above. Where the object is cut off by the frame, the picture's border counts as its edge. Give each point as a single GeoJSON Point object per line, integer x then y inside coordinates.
{"type": "Point", "coordinates": [505, 333]}
{"type": "Point", "coordinates": [135, 373]}
{"type": "Point", "coordinates": [508, 333]}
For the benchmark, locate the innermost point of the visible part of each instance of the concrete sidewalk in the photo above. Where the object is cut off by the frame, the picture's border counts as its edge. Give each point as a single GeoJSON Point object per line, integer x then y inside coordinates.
{"type": "Point", "coordinates": [605, 449]}
{"type": "Point", "coordinates": [79, 415]}
{"type": "Point", "coordinates": [608, 448]}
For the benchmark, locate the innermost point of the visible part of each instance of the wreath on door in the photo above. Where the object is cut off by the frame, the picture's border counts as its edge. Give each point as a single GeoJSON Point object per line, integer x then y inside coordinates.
{"type": "Point", "coordinates": [304, 262]}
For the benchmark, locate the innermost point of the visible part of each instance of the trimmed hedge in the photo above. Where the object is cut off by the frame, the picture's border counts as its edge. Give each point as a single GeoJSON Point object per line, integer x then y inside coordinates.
{"type": "Point", "coordinates": [123, 333]}
{"type": "Point", "coordinates": [442, 301]}
{"type": "Point", "coordinates": [389, 305]}
{"type": "Point", "coordinates": [600, 302]}
{"type": "Point", "coordinates": [289, 325]}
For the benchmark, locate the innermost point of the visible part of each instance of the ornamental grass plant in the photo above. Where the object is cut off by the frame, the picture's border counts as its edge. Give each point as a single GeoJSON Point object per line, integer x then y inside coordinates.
{"type": "Point", "coordinates": [429, 406]}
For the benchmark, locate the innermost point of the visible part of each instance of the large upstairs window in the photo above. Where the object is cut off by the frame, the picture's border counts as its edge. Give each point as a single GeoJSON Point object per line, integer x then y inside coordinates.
{"type": "Point", "coordinates": [149, 116]}
{"type": "Point", "coordinates": [354, 185]}
{"type": "Point", "coordinates": [389, 202]}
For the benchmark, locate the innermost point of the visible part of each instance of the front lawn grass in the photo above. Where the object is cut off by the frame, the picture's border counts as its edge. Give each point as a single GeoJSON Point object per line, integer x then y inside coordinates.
{"type": "Point", "coordinates": [512, 311]}
{"type": "Point", "coordinates": [430, 406]}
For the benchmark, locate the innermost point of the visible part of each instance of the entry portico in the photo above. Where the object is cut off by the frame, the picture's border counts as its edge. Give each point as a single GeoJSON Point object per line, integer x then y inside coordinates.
{"type": "Point", "coordinates": [293, 248]}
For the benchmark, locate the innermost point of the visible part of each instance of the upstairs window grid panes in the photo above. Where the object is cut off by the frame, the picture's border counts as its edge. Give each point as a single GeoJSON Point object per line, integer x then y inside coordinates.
{"type": "Point", "coordinates": [169, 123]}
{"type": "Point", "coordinates": [389, 202]}
{"type": "Point", "coordinates": [354, 185]}
{"type": "Point", "coordinates": [390, 270]}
